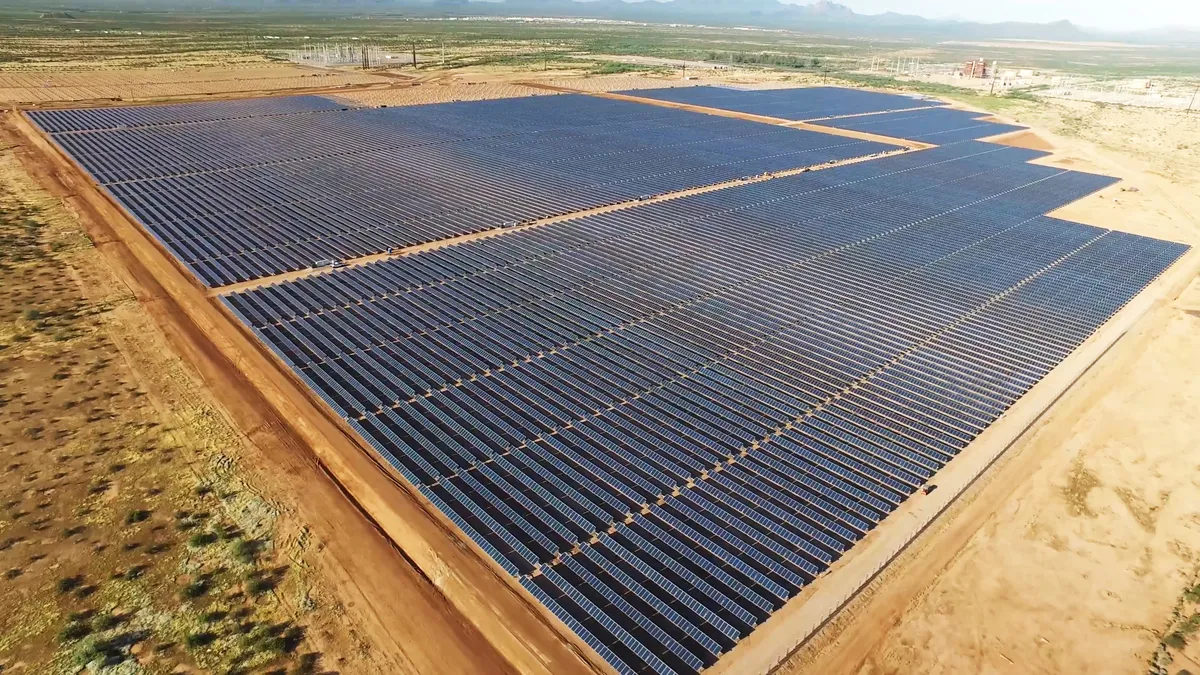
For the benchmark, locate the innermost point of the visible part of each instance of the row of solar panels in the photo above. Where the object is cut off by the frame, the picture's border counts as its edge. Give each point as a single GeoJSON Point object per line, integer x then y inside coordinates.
{"type": "Point", "coordinates": [805, 103]}
{"type": "Point", "coordinates": [938, 126]}
{"type": "Point", "coordinates": [809, 195]}
{"type": "Point", "coordinates": [92, 119]}
{"type": "Point", "coordinates": [751, 378]}
{"type": "Point", "coordinates": [219, 145]}
{"type": "Point", "coordinates": [234, 201]}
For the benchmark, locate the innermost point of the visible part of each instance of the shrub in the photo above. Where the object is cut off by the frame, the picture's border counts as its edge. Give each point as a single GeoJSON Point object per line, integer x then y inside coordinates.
{"type": "Point", "coordinates": [1175, 640]}
{"type": "Point", "coordinates": [74, 631]}
{"type": "Point", "coordinates": [259, 585]}
{"type": "Point", "coordinates": [135, 572]}
{"type": "Point", "coordinates": [201, 539]}
{"type": "Point", "coordinates": [1191, 625]}
{"type": "Point", "coordinates": [31, 315]}
{"type": "Point", "coordinates": [196, 589]}
{"type": "Point", "coordinates": [213, 616]}
{"type": "Point", "coordinates": [137, 516]}
{"type": "Point", "coordinates": [199, 639]}
{"type": "Point", "coordinates": [68, 584]}
{"type": "Point", "coordinates": [246, 551]}
{"type": "Point", "coordinates": [105, 622]}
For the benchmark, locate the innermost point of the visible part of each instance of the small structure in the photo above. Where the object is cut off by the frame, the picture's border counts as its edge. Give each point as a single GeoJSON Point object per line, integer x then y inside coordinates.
{"type": "Point", "coordinates": [976, 69]}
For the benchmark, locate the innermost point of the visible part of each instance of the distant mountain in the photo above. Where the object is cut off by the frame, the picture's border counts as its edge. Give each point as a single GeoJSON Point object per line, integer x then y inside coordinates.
{"type": "Point", "coordinates": [822, 15]}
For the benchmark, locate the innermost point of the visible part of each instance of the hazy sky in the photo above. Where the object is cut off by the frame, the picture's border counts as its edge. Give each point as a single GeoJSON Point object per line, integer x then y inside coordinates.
{"type": "Point", "coordinates": [1108, 14]}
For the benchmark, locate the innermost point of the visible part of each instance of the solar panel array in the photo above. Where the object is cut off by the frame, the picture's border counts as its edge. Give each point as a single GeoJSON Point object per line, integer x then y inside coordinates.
{"type": "Point", "coordinates": [803, 103]}
{"type": "Point", "coordinates": [666, 420]}
{"type": "Point", "coordinates": [239, 194]}
{"type": "Point", "coordinates": [99, 119]}
{"type": "Point", "coordinates": [937, 126]}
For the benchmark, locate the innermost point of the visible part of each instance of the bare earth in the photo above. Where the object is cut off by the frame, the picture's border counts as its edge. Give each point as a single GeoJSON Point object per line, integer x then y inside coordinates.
{"type": "Point", "coordinates": [356, 600]}
{"type": "Point", "coordinates": [1087, 537]}
{"type": "Point", "coordinates": [1075, 553]}
{"type": "Point", "coordinates": [142, 84]}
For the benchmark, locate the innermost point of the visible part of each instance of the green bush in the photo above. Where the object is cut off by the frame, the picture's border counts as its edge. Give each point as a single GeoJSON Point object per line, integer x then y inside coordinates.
{"type": "Point", "coordinates": [213, 616]}
{"type": "Point", "coordinates": [68, 584]}
{"type": "Point", "coordinates": [105, 622]}
{"type": "Point", "coordinates": [258, 585]}
{"type": "Point", "coordinates": [73, 632]}
{"type": "Point", "coordinates": [201, 539]}
{"type": "Point", "coordinates": [1175, 640]}
{"type": "Point", "coordinates": [199, 639]}
{"type": "Point", "coordinates": [246, 551]}
{"type": "Point", "coordinates": [137, 516]}
{"type": "Point", "coordinates": [196, 589]}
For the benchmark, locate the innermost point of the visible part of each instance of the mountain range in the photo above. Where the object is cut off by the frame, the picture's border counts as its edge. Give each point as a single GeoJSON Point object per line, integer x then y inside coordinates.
{"type": "Point", "coordinates": [821, 15]}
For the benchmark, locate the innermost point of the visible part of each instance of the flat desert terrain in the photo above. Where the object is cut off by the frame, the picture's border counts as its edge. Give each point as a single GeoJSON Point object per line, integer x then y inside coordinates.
{"type": "Point", "coordinates": [1078, 551]}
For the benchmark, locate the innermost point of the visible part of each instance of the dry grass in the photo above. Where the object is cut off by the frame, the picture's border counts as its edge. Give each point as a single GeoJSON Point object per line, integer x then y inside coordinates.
{"type": "Point", "coordinates": [422, 94]}
{"type": "Point", "coordinates": [44, 87]}
{"type": "Point", "coordinates": [122, 543]}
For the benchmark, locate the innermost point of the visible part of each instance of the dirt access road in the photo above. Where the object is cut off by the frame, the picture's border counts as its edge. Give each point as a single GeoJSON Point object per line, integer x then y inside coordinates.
{"type": "Point", "coordinates": [433, 603]}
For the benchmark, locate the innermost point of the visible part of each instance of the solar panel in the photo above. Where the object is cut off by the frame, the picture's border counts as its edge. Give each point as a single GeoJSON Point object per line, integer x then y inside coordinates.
{"type": "Point", "coordinates": [799, 103]}
{"type": "Point", "coordinates": [666, 420]}
{"type": "Point", "coordinates": [939, 126]}
{"type": "Point", "coordinates": [243, 190]}
{"type": "Point", "coordinates": [97, 119]}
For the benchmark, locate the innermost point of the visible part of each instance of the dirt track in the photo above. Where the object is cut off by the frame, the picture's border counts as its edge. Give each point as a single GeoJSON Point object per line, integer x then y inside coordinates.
{"type": "Point", "coordinates": [433, 602]}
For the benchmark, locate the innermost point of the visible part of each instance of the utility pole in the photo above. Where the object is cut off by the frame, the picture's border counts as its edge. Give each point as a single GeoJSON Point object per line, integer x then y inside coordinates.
{"type": "Point", "coordinates": [1193, 101]}
{"type": "Point", "coordinates": [995, 73]}
{"type": "Point", "coordinates": [414, 55]}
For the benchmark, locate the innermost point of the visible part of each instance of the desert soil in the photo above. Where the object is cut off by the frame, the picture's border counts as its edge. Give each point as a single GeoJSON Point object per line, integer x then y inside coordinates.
{"type": "Point", "coordinates": [140, 524]}
{"type": "Point", "coordinates": [1086, 542]}
{"type": "Point", "coordinates": [1082, 557]}
{"type": "Point", "coordinates": [127, 534]}
{"type": "Point", "coordinates": [149, 84]}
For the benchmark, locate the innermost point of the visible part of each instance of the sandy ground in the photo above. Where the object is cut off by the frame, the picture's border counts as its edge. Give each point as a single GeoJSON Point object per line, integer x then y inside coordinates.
{"type": "Point", "coordinates": [380, 613]}
{"type": "Point", "coordinates": [437, 92]}
{"type": "Point", "coordinates": [140, 84]}
{"type": "Point", "coordinates": [1077, 553]}
{"type": "Point", "coordinates": [123, 481]}
{"type": "Point", "coordinates": [423, 597]}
